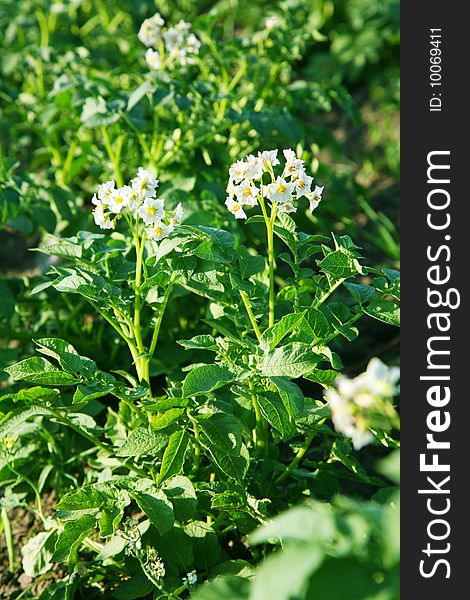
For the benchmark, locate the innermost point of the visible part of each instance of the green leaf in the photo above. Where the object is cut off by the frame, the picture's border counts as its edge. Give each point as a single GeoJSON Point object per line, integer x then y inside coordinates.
{"type": "Point", "coordinates": [221, 436]}
{"type": "Point", "coordinates": [67, 356]}
{"type": "Point", "coordinates": [276, 414]}
{"type": "Point", "coordinates": [224, 588]}
{"type": "Point", "coordinates": [383, 310]}
{"type": "Point", "coordinates": [206, 548]}
{"type": "Point", "coordinates": [323, 376]}
{"type": "Point", "coordinates": [156, 506]}
{"type": "Point", "coordinates": [173, 458]}
{"type": "Point", "coordinates": [162, 420]}
{"type": "Point", "coordinates": [362, 293]}
{"type": "Point", "coordinates": [143, 441]}
{"type": "Point", "coordinates": [176, 549]}
{"type": "Point", "coordinates": [315, 325]}
{"type": "Point", "coordinates": [199, 342]}
{"type": "Point", "coordinates": [205, 379]}
{"type": "Point", "coordinates": [249, 264]}
{"type": "Point", "coordinates": [90, 391]}
{"type": "Point", "coordinates": [292, 360]}
{"type": "Point", "coordinates": [275, 334]}
{"type": "Point", "coordinates": [39, 370]}
{"type": "Point", "coordinates": [181, 493]}
{"type": "Point", "coordinates": [340, 264]}
{"type": "Point", "coordinates": [10, 423]}
{"type": "Point", "coordinates": [7, 301]}
{"type": "Point", "coordinates": [291, 395]}
{"type": "Point", "coordinates": [37, 553]}
{"type": "Point", "coordinates": [32, 395]}
{"type": "Point", "coordinates": [71, 537]}
{"type": "Point", "coordinates": [90, 499]}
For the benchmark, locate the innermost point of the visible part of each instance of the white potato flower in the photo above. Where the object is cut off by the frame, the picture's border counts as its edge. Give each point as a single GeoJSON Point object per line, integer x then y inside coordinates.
{"type": "Point", "coordinates": [294, 166]}
{"type": "Point", "coordinates": [246, 193]}
{"type": "Point", "coordinates": [144, 184]}
{"type": "Point", "coordinates": [101, 219]}
{"type": "Point", "coordinates": [354, 401]}
{"type": "Point", "coordinates": [150, 30]}
{"type": "Point", "coordinates": [235, 208]}
{"type": "Point", "coordinates": [254, 167]}
{"type": "Point", "coordinates": [153, 59]}
{"type": "Point", "coordinates": [173, 38]}
{"type": "Point", "coordinates": [105, 190]}
{"type": "Point", "coordinates": [281, 190]}
{"type": "Point", "coordinates": [119, 199]}
{"type": "Point", "coordinates": [178, 216]}
{"type": "Point", "coordinates": [193, 44]}
{"type": "Point", "coordinates": [158, 230]}
{"type": "Point", "coordinates": [237, 171]}
{"type": "Point", "coordinates": [315, 197]}
{"type": "Point", "coordinates": [152, 210]}
{"type": "Point", "coordinates": [303, 185]}
{"type": "Point", "coordinates": [191, 578]}
{"type": "Point", "coordinates": [287, 207]}
{"type": "Point", "coordinates": [268, 158]}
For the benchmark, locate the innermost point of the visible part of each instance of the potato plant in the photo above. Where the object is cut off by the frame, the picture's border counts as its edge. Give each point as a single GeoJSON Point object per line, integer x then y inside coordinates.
{"type": "Point", "coordinates": [196, 401]}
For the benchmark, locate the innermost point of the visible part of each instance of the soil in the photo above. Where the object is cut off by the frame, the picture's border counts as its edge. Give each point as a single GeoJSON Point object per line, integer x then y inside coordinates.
{"type": "Point", "coordinates": [24, 525]}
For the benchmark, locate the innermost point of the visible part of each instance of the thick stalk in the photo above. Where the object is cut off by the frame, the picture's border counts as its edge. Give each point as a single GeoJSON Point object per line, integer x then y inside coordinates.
{"type": "Point", "coordinates": [270, 234]}
{"type": "Point", "coordinates": [142, 371]}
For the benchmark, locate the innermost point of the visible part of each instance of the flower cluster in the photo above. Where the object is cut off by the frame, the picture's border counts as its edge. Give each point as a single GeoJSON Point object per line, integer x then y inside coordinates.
{"type": "Point", "coordinates": [363, 402]}
{"type": "Point", "coordinates": [246, 187]}
{"type": "Point", "coordinates": [170, 45]}
{"type": "Point", "coordinates": [132, 534]}
{"type": "Point", "coordinates": [138, 201]}
{"type": "Point", "coordinates": [154, 565]}
{"type": "Point", "coordinates": [191, 578]}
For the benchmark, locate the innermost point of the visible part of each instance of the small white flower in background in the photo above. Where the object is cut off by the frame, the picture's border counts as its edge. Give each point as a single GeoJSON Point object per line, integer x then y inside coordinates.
{"type": "Point", "coordinates": [191, 578]}
{"type": "Point", "coordinates": [158, 230]}
{"type": "Point", "coordinates": [315, 197]}
{"type": "Point", "coordinates": [272, 22]}
{"type": "Point", "coordinates": [154, 564]}
{"type": "Point", "coordinates": [235, 208]}
{"type": "Point", "coordinates": [357, 403]}
{"type": "Point", "coordinates": [153, 59]}
{"type": "Point", "coordinates": [105, 190]}
{"type": "Point", "coordinates": [177, 44]}
{"type": "Point", "coordinates": [281, 190]}
{"type": "Point", "coordinates": [152, 210]}
{"type": "Point", "coordinates": [246, 193]}
{"type": "Point", "coordinates": [150, 30]}
{"type": "Point", "coordinates": [144, 184]}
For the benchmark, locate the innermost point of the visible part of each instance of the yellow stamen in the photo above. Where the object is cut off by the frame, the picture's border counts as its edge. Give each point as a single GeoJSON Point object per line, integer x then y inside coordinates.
{"type": "Point", "coordinates": [151, 211]}
{"type": "Point", "coordinates": [236, 207]}
{"type": "Point", "coordinates": [247, 192]}
{"type": "Point", "coordinates": [281, 189]}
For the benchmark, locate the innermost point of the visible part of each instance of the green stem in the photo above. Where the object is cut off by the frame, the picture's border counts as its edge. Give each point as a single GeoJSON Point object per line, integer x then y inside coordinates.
{"type": "Point", "coordinates": [249, 310]}
{"type": "Point", "coordinates": [260, 431]}
{"type": "Point", "coordinates": [327, 294]}
{"type": "Point", "coordinates": [300, 454]}
{"type": "Point", "coordinates": [8, 540]}
{"type": "Point", "coordinates": [270, 234]}
{"type": "Point", "coordinates": [161, 313]}
{"type": "Point", "coordinates": [352, 320]}
{"type": "Point", "coordinates": [142, 369]}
